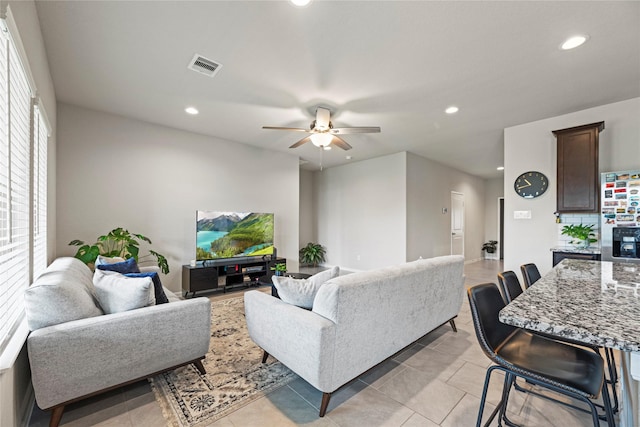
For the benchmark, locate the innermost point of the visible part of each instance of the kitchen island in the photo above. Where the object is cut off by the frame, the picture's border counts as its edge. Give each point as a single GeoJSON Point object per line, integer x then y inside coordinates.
{"type": "Point", "coordinates": [562, 252]}
{"type": "Point", "coordinates": [597, 303]}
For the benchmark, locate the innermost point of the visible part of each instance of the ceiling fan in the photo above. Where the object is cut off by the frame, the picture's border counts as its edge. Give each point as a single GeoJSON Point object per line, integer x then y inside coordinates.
{"type": "Point", "coordinates": [323, 134]}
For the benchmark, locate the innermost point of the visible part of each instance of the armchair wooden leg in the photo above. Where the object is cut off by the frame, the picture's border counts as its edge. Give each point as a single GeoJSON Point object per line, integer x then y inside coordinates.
{"type": "Point", "coordinates": [56, 416]}
{"type": "Point", "coordinates": [265, 355]}
{"type": "Point", "coordinates": [198, 364]}
{"type": "Point", "coordinates": [325, 402]}
{"type": "Point", "coordinates": [453, 325]}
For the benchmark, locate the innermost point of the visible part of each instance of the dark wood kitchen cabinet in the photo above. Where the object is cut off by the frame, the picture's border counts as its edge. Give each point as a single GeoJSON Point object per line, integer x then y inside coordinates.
{"type": "Point", "coordinates": [578, 176]}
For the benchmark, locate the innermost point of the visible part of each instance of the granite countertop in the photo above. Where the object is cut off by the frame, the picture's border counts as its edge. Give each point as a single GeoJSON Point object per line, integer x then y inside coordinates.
{"type": "Point", "coordinates": [589, 301]}
{"type": "Point", "coordinates": [570, 249]}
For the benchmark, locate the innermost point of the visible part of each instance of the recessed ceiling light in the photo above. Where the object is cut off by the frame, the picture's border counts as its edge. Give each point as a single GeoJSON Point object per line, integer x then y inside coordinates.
{"type": "Point", "coordinates": [300, 3]}
{"type": "Point", "coordinates": [573, 42]}
{"type": "Point", "coordinates": [451, 110]}
{"type": "Point", "coordinates": [348, 157]}
{"type": "Point", "coordinates": [191, 110]}
{"type": "Point", "coordinates": [500, 168]}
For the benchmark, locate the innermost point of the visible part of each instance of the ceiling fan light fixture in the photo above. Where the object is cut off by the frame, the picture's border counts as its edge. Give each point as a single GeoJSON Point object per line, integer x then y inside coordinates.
{"type": "Point", "coordinates": [321, 139]}
{"type": "Point", "coordinates": [300, 3]}
{"type": "Point", "coordinates": [573, 42]}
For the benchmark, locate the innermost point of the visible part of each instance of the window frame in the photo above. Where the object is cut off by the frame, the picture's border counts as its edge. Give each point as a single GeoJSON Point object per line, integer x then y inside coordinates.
{"type": "Point", "coordinates": [24, 138]}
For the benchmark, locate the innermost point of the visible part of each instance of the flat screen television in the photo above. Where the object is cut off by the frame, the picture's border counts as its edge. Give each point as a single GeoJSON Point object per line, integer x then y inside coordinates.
{"type": "Point", "coordinates": [233, 234]}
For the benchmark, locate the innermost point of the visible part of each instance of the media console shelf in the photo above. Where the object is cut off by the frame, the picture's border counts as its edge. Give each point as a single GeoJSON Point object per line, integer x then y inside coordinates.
{"type": "Point", "coordinates": [224, 273]}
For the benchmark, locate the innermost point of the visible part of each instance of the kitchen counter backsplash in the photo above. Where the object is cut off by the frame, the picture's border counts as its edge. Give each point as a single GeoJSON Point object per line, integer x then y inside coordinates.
{"type": "Point", "coordinates": [564, 242]}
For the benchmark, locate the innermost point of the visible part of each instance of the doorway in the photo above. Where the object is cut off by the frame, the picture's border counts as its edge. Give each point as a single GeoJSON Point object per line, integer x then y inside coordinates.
{"type": "Point", "coordinates": [501, 226]}
{"type": "Point", "coordinates": [457, 223]}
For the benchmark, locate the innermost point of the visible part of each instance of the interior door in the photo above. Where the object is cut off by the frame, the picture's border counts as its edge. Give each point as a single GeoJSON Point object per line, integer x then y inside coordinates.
{"type": "Point", "coordinates": [457, 223]}
{"type": "Point", "coordinates": [501, 226]}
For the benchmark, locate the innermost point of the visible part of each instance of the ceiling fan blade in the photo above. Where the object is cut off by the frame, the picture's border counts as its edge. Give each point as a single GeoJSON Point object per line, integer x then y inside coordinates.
{"type": "Point", "coordinates": [339, 142]}
{"type": "Point", "coordinates": [285, 128]}
{"type": "Point", "coordinates": [344, 131]}
{"type": "Point", "coordinates": [302, 141]}
{"type": "Point", "coordinates": [323, 118]}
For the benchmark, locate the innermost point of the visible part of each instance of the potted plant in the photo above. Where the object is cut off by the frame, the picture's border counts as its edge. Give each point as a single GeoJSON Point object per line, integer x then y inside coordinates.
{"type": "Point", "coordinates": [312, 254]}
{"type": "Point", "coordinates": [490, 246]}
{"type": "Point", "coordinates": [118, 243]}
{"type": "Point", "coordinates": [280, 269]}
{"type": "Point", "coordinates": [582, 235]}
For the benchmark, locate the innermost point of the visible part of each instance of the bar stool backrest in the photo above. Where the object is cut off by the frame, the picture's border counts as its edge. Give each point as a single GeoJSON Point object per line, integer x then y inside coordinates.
{"type": "Point", "coordinates": [509, 285]}
{"type": "Point", "coordinates": [486, 303]}
{"type": "Point", "coordinates": [530, 274]}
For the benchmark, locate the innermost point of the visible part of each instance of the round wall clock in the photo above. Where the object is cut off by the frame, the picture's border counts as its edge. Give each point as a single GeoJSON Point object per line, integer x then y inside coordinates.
{"type": "Point", "coordinates": [531, 184]}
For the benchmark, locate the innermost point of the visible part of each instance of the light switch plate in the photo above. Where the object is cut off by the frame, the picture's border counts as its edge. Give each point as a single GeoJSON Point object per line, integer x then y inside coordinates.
{"type": "Point", "coordinates": [521, 214]}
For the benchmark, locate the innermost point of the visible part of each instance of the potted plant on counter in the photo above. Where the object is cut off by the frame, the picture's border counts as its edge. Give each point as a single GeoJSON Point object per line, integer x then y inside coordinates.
{"type": "Point", "coordinates": [582, 235]}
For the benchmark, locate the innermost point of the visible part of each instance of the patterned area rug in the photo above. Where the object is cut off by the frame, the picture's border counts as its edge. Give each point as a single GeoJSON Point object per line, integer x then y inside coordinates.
{"type": "Point", "coordinates": [235, 375]}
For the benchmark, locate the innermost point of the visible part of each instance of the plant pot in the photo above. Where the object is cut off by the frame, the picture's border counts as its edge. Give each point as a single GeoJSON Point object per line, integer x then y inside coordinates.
{"type": "Point", "coordinates": [581, 244]}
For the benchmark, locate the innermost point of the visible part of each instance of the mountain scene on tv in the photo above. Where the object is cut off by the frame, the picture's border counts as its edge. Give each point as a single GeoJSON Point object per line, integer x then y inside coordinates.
{"type": "Point", "coordinates": [232, 234]}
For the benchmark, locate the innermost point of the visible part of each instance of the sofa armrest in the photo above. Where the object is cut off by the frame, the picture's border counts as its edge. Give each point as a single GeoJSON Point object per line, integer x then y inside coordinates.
{"type": "Point", "coordinates": [81, 357]}
{"type": "Point", "coordinates": [301, 339]}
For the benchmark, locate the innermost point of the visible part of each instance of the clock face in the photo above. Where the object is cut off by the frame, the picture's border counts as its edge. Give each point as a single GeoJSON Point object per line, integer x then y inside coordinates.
{"type": "Point", "coordinates": [531, 184]}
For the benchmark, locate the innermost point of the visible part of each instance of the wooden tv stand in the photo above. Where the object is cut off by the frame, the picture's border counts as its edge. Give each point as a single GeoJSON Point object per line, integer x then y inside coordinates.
{"type": "Point", "coordinates": [225, 273]}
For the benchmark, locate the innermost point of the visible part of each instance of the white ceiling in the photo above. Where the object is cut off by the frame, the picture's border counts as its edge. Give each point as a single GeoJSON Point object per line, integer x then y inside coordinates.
{"type": "Point", "coordinates": [392, 64]}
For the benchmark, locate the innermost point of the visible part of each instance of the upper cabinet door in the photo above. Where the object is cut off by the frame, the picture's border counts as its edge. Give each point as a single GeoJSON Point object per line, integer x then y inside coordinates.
{"type": "Point", "coordinates": [578, 177]}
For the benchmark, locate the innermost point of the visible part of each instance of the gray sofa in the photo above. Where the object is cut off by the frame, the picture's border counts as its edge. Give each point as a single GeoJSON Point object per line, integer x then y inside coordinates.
{"type": "Point", "coordinates": [75, 351]}
{"type": "Point", "coordinates": [357, 320]}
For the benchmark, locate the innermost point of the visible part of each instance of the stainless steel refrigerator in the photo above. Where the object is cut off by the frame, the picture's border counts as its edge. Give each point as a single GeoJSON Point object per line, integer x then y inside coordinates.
{"type": "Point", "coordinates": [620, 216]}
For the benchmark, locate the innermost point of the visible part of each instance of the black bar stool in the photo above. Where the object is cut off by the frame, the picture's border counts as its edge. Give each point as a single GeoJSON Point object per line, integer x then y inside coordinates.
{"type": "Point", "coordinates": [562, 368]}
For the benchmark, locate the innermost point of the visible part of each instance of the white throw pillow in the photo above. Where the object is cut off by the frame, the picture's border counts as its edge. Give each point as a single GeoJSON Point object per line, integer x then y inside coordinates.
{"type": "Point", "coordinates": [302, 292]}
{"type": "Point", "coordinates": [107, 260]}
{"type": "Point", "coordinates": [116, 292]}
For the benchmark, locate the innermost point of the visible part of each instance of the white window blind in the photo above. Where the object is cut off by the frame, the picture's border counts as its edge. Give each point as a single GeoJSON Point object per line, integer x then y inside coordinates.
{"type": "Point", "coordinates": [40, 141]}
{"type": "Point", "coordinates": [4, 188]}
{"type": "Point", "coordinates": [15, 185]}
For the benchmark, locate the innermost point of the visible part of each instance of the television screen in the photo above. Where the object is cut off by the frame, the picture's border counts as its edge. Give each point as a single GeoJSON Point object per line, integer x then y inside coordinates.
{"type": "Point", "coordinates": [233, 234]}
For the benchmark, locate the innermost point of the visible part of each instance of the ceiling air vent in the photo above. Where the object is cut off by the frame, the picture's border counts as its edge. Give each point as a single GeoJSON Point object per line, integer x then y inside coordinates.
{"type": "Point", "coordinates": [203, 65]}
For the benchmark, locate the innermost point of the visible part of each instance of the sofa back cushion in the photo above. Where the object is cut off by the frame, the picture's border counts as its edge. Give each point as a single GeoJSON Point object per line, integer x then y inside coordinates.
{"type": "Point", "coordinates": [379, 312]}
{"type": "Point", "coordinates": [64, 292]}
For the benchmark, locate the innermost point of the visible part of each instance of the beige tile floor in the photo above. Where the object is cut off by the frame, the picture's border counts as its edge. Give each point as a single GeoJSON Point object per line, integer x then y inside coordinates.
{"type": "Point", "coordinates": [434, 382]}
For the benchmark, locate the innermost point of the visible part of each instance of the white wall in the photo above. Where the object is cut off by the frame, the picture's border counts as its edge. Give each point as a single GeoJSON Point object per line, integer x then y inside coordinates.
{"type": "Point", "coordinates": [307, 209]}
{"type": "Point", "coordinates": [532, 146]}
{"type": "Point", "coordinates": [361, 212]}
{"type": "Point", "coordinates": [429, 187]}
{"type": "Point", "coordinates": [388, 211]}
{"type": "Point", "coordinates": [114, 171]}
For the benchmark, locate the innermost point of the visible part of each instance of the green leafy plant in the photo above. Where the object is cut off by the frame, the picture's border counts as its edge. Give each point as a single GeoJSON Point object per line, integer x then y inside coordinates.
{"type": "Point", "coordinates": [580, 233]}
{"type": "Point", "coordinates": [490, 246]}
{"type": "Point", "coordinates": [312, 254]}
{"type": "Point", "coordinates": [119, 242]}
{"type": "Point", "coordinates": [280, 268]}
